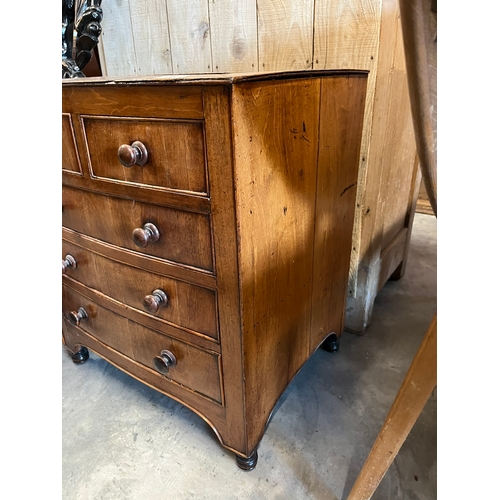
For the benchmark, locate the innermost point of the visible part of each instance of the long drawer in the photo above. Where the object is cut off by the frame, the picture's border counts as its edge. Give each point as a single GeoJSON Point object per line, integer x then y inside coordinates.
{"type": "Point", "coordinates": [195, 368]}
{"type": "Point", "coordinates": [184, 304]}
{"type": "Point", "coordinates": [182, 237]}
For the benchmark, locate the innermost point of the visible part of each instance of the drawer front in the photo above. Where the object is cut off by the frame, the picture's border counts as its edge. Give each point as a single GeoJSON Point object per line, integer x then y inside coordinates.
{"type": "Point", "coordinates": [70, 161]}
{"type": "Point", "coordinates": [184, 237]}
{"type": "Point", "coordinates": [187, 306]}
{"type": "Point", "coordinates": [195, 369]}
{"type": "Point", "coordinates": [175, 152]}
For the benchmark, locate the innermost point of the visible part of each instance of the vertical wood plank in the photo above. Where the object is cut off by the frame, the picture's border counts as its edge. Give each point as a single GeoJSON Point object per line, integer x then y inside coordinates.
{"type": "Point", "coordinates": [151, 37]}
{"type": "Point", "coordinates": [391, 160]}
{"type": "Point", "coordinates": [397, 142]}
{"type": "Point", "coordinates": [341, 122]}
{"type": "Point", "coordinates": [346, 35]}
{"type": "Point", "coordinates": [275, 127]}
{"type": "Point", "coordinates": [102, 57]}
{"type": "Point", "coordinates": [117, 39]}
{"type": "Point", "coordinates": [189, 25]}
{"type": "Point", "coordinates": [285, 31]}
{"type": "Point", "coordinates": [216, 102]}
{"type": "Point", "coordinates": [233, 27]}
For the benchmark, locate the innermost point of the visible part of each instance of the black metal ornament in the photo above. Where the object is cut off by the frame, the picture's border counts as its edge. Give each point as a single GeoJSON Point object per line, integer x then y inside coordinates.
{"type": "Point", "coordinates": [80, 34]}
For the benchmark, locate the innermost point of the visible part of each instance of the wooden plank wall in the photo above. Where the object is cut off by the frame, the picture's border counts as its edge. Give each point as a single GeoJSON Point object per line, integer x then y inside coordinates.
{"type": "Point", "coordinates": [148, 37]}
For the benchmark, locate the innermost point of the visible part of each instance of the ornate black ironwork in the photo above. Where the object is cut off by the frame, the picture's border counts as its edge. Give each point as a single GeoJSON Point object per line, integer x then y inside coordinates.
{"type": "Point", "coordinates": [80, 34]}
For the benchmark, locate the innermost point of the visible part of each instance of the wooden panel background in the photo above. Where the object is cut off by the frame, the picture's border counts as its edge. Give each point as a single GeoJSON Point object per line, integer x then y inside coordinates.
{"type": "Point", "coordinates": [148, 37]}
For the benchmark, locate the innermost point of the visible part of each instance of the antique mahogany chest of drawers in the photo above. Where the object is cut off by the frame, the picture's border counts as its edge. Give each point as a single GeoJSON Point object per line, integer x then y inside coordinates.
{"type": "Point", "coordinates": [207, 226]}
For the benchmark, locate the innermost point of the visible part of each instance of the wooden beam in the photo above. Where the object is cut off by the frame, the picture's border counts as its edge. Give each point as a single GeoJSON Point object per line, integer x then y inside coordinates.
{"type": "Point", "coordinates": [413, 394]}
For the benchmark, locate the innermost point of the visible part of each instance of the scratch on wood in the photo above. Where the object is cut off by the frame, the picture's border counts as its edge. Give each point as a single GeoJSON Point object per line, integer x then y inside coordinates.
{"type": "Point", "coordinates": [347, 189]}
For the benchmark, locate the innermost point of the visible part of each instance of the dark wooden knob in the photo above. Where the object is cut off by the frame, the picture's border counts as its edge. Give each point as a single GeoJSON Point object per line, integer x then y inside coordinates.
{"type": "Point", "coordinates": [143, 235]}
{"type": "Point", "coordinates": [69, 262]}
{"type": "Point", "coordinates": [154, 301]}
{"type": "Point", "coordinates": [133, 154]}
{"type": "Point", "coordinates": [164, 361]}
{"type": "Point", "coordinates": [76, 317]}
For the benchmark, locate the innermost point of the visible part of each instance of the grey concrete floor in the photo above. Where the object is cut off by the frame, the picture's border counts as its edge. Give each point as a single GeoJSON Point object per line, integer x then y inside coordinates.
{"type": "Point", "coordinates": [123, 440]}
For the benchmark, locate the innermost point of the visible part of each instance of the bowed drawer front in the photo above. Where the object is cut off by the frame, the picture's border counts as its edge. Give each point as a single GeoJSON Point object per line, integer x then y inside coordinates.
{"type": "Point", "coordinates": [175, 235]}
{"type": "Point", "coordinates": [207, 225]}
{"type": "Point", "coordinates": [195, 368]}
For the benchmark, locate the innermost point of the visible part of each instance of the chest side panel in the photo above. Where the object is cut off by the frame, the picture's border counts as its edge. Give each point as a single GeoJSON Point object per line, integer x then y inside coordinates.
{"type": "Point", "coordinates": [276, 137]}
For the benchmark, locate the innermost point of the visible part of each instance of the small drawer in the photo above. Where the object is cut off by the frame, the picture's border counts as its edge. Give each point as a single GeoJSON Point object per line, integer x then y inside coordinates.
{"type": "Point", "coordinates": [184, 305]}
{"type": "Point", "coordinates": [70, 161]}
{"type": "Point", "coordinates": [175, 235]}
{"type": "Point", "coordinates": [195, 368]}
{"type": "Point", "coordinates": [168, 154]}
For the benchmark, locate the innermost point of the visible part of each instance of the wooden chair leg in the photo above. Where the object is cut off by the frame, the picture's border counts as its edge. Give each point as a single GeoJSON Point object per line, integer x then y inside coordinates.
{"type": "Point", "coordinates": [413, 394]}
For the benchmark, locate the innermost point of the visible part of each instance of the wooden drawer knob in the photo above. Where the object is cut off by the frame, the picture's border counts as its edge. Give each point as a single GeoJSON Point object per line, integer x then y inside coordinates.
{"type": "Point", "coordinates": [164, 361]}
{"type": "Point", "coordinates": [76, 317]}
{"type": "Point", "coordinates": [154, 301]}
{"type": "Point", "coordinates": [69, 262]}
{"type": "Point", "coordinates": [133, 154]}
{"type": "Point", "coordinates": [143, 235]}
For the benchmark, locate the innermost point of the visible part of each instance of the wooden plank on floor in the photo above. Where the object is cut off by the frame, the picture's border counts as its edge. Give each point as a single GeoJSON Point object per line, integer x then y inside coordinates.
{"type": "Point", "coordinates": [413, 394]}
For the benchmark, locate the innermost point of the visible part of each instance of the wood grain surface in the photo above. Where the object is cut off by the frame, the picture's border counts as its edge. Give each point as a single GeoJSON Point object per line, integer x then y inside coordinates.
{"type": "Point", "coordinates": [195, 369]}
{"type": "Point", "coordinates": [175, 149]}
{"type": "Point", "coordinates": [185, 237]}
{"type": "Point", "coordinates": [255, 272]}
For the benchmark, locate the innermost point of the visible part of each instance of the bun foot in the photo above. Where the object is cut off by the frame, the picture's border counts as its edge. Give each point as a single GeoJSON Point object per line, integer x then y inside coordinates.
{"type": "Point", "coordinates": [247, 463]}
{"type": "Point", "coordinates": [80, 356]}
{"type": "Point", "coordinates": [331, 343]}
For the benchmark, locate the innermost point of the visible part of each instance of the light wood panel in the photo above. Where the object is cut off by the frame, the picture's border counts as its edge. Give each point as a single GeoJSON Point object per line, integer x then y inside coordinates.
{"type": "Point", "coordinates": [189, 24]}
{"type": "Point", "coordinates": [397, 145]}
{"type": "Point", "coordinates": [285, 31]}
{"type": "Point", "coordinates": [151, 37]}
{"type": "Point", "coordinates": [389, 182]}
{"type": "Point", "coordinates": [117, 39]}
{"type": "Point", "coordinates": [233, 28]}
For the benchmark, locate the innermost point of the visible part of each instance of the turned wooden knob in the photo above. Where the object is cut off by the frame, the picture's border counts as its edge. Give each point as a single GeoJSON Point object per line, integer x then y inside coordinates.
{"type": "Point", "coordinates": [69, 262]}
{"type": "Point", "coordinates": [76, 317]}
{"type": "Point", "coordinates": [154, 301]}
{"type": "Point", "coordinates": [133, 154]}
{"type": "Point", "coordinates": [164, 361]}
{"type": "Point", "coordinates": [143, 235]}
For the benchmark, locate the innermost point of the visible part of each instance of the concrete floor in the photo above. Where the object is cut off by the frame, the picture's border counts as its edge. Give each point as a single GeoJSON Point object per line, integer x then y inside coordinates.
{"type": "Point", "coordinates": [123, 440]}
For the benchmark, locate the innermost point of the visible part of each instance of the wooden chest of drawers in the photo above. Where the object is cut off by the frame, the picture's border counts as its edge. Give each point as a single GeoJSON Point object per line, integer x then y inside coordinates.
{"type": "Point", "coordinates": [207, 225]}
